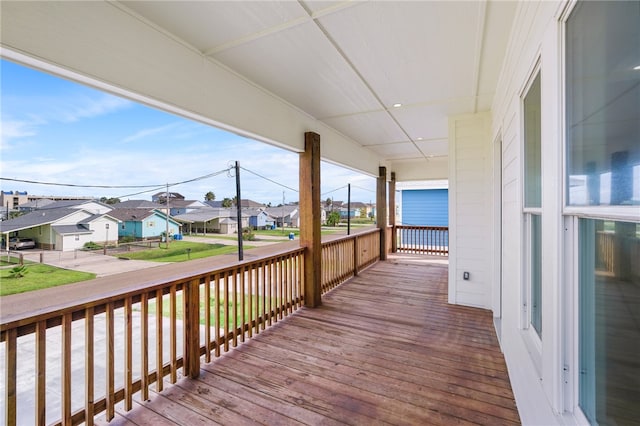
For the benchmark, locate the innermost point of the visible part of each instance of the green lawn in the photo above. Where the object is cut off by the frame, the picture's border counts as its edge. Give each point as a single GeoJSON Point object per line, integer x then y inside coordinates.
{"type": "Point", "coordinates": [178, 252]}
{"type": "Point", "coordinates": [39, 276]}
{"type": "Point", "coordinates": [166, 309]}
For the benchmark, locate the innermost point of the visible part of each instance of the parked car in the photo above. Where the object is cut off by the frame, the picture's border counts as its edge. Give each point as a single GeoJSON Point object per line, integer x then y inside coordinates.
{"type": "Point", "coordinates": [21, 243]}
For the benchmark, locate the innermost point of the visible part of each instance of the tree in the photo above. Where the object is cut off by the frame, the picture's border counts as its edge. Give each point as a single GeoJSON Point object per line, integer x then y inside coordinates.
{"type": "Point", "coordinates": [334, 218]}
{"type": "Point", "coordinates": [109, 201]}
{"type": "Point", "coordinates": [227, 202]}
{"type": "Point", "coordinates": [209, 196]}
{"type": "Point", "coordinates": [328, 202]}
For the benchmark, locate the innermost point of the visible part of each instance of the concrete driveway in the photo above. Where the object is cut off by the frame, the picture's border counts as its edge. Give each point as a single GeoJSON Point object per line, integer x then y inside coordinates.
{"type": "Point", "coordinates": [94, 262]}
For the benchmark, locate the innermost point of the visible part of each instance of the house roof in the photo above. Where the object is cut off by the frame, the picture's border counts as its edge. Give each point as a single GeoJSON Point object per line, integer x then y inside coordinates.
{"type": "Point", "coordinates": [138, 215]}
{"type": "Point", "coordinates": [73, 203]}
{"type": "Point", "coordinates": [186, 203]}
{"type": "Point", "coordinates": [35, 218]}
{"type": "Point", "coordinates": [250, 203]}
{"type": "Point", "coordinates": [36, 204]}
{"type": "Point", "coordinates": [137, 204]}
{"type": "Point", "coordinates": [71, 229]}
{"type": "Point", "coordinates": [280, 211]}
{"type": "Point", "coordinates": [207, 214]}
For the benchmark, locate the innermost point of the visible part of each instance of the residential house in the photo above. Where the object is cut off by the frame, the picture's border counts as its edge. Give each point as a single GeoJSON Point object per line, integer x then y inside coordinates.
{"type": "Point", "coordinates": [259, 218]}
{"type": "Point", "coordinates": [63, 229]}
{"type": "Point", "coordinates": [178, 207]}
{"type": "Point", "coordinates": [529, 109]}
{"type": "Point", "coordinates": [422, 203]}
{"type": "Point", "coordinates": [144, 224]}
{"type": "Point", "coordinates": [284, 216]}
{"type": "Point", "coordinates": [211, 220]}
{"type": "Point", "coordinates": [161, 197]}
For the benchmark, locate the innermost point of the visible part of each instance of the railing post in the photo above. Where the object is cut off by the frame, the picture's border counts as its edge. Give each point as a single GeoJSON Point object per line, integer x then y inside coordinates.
{"type": "Point", "coordinates": [392, 212]}
{"type": "Point", "coordinates": [191, 294]}
{"type": "Point", "coordinates": [381, 210]}
{"type": "Point", "coordinates": [310, 237]}
{"type": "Point", "coordinates": [355, 256]}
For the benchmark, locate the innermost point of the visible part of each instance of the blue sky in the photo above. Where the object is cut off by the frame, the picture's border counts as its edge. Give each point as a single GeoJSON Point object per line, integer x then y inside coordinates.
{"type": "Point", "coordinates": [54, 130]}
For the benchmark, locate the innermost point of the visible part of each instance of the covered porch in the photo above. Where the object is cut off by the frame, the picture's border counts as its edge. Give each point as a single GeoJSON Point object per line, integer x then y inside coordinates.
{"type": "Point", "coordinates": [380, 349]}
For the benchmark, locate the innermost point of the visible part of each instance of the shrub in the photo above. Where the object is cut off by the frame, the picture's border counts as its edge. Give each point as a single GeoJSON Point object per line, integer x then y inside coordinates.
{"type": "Point", "coordinates": [92, 246]}
{"type": "Point", "coordinates": [247, 234]}
{"type": "Point", "coordinates": [18, 271]}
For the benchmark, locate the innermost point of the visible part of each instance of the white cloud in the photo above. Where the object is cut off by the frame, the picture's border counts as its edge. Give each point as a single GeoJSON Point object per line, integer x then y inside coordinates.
{"type": "Point", "coordinates": [144, 133]}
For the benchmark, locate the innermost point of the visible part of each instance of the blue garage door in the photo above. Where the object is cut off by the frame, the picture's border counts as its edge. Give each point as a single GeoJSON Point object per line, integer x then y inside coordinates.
{"type": "Point", "coordinates": [425, 207]}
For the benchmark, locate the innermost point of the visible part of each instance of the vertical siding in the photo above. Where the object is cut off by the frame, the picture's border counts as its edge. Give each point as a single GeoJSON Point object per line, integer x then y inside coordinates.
{"type": "Point", "coordinates": [428, 207]}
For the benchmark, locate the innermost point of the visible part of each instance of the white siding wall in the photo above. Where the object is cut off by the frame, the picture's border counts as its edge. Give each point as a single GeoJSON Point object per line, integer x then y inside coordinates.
{"type": "Point", "coordinates": [470, 210]}
{"type": "Point", "coordinates": [535, 373]}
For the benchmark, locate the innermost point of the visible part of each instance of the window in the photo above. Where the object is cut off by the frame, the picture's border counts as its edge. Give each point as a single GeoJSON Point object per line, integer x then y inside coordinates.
{"type": "Point", "coordinates": [602, 192]}
{"type": "Point", "coordinates": [532, 206]}
{"type": "Point", "coordinates": [603, 104]}
{"type": "Point", "coordinates": [609, 327]}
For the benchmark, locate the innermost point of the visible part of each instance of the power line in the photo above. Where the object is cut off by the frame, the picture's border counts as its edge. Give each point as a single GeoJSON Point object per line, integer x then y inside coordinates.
{"type": "Point", "coordinates": [364, 189]}
{"type": "Point", "coordinates": [334, 190]}
{"type": "Point", "coordinates": [270, 180]}
{"type": "Point", "coordinates": [117, 186]}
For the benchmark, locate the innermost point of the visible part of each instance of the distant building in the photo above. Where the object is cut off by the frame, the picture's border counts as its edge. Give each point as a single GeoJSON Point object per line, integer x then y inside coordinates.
{"type": "Point", "coordinates": [161, 197]}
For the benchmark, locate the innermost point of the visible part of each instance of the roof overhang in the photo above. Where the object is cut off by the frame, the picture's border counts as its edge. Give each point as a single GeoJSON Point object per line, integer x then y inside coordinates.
{"type": "Point", "coordinates": [274, 70]}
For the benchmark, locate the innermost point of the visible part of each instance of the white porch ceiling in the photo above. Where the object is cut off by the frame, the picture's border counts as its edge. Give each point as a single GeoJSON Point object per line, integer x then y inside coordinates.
{"type": "Point", "coordinates": [346, 63]}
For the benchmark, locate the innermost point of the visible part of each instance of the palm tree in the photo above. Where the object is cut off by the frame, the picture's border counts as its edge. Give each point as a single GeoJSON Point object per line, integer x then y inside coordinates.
{"type": "Point", "coordinates": [209, 196]}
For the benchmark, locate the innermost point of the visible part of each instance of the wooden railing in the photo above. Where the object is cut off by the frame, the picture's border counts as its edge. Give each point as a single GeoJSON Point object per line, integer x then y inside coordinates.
{"type": "Point", "coordinates": [432, 240]}
{"type": "Point", "coordinates": [343, 257]}
{"type": "Point", "coordinates": [126, 343]}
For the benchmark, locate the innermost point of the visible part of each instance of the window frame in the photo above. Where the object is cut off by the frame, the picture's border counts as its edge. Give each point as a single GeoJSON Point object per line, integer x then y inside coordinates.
{"type": "Point", "coordinates": [571, 216]}
{"type": "Point", "coordinates": [532, 339]}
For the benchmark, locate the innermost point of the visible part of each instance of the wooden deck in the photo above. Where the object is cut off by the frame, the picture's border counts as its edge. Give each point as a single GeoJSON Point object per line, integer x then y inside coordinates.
{"type": "Point", "coordinates": [385, 347]}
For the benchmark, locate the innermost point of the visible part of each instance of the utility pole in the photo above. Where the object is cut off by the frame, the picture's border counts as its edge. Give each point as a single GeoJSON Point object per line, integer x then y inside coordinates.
{"type": "Point", "coordinates": [239, 209]}
{"type": "Point", "coordinates": [348, 209]}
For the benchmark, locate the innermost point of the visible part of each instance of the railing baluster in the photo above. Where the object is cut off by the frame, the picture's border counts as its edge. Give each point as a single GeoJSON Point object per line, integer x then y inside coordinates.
{"type": "Point", "coordinates": [216, 284]}
{"type": "Point", "coordinates": [10, 376]}
{"type": "Point", "coordinates": [110, 361]}
{"type": "Point", "coordinates": [242, 295]}
{"type": "Point", "coordinates": [234, 297]}
{"type": "Point", "coordinates": [66, 369]}
{"type": "Point", "coordinates": [159, 341]}
{"type": "Point", "coordinates": [207, 319]}
{"type": "Point", "coordinates": [250, 276]}
{"type": "Point", "coordinates": [172, 334]}
{"type": "Point", "coordinates": [88, 366]}
{"type": "Point", "coordinates": [226, 311]}
{"type": "Point", "coordinates": [41, 369]}
{"type": "Point", "coordinates": [128, 355]}
{"type": "Point", "coordinates": [144, 346]}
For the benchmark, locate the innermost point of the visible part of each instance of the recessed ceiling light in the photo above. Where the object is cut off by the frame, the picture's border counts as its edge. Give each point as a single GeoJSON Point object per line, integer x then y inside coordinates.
{"type": "Point", "coordinates": [397, 105]}
{"type": "Point", "coordinates": [419, 139]}
{"type": "Point", "coordinates": [635, 68]}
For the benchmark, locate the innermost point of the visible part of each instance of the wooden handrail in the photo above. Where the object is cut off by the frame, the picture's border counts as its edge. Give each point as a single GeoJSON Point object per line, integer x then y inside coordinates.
{"type": "Point", "coordinates": [201, 314]}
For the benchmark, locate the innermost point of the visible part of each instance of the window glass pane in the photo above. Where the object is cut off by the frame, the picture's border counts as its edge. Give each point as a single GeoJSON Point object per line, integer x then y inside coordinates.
{"type": "Point", "coordinates": [532, 159]}
{"type": "Point", "coordinates": [603, 103]}
{"type": "Point", "coordinates": [536, 273]}
{"type": "Point", "coordinates": [609, 321]}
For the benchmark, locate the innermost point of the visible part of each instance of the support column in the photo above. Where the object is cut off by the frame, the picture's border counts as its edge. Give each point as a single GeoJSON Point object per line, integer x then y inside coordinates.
{"type": "Point", "coordinates": [310, 237]}
{"type": "Point", "coordinates": [381, 210]}
{"type": "Point", "coordinates": [191, 294]}
{"type": "Point", "coordinates": [392, 212]}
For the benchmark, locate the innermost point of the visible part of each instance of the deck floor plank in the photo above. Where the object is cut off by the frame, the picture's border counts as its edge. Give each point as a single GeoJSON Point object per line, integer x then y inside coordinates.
{"type": "Point", "coordinates": [384, 348]}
